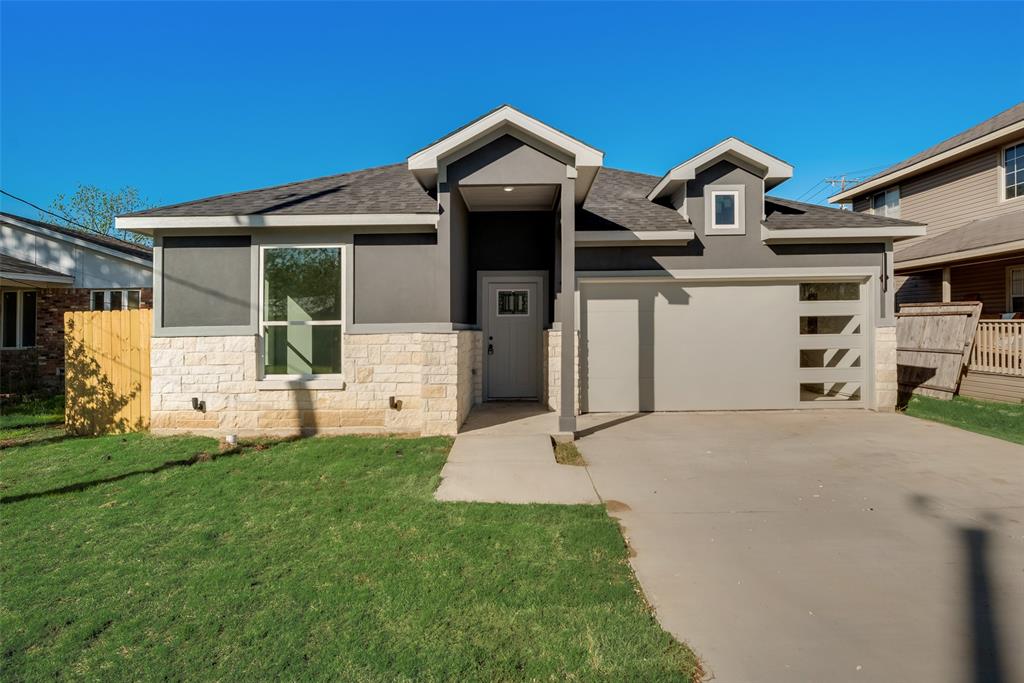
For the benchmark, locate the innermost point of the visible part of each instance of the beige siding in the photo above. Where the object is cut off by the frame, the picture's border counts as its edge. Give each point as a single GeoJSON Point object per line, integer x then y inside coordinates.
{"type": "Point", "coordinates": [991, 387]}
{"type": "Point", "coordinates": [984, 282]}
{"type": "Point", "coordinates": [952, 195]}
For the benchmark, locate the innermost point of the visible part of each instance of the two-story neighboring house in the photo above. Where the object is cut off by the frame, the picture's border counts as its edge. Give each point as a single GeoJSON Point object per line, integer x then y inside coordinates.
{"type": "Point", "coordinates": [47, 270]}
{"type": "Point", "coordinates": [969, 191]}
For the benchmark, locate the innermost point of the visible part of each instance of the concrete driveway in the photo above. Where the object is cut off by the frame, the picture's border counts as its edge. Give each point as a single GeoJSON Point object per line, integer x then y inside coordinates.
{"type": "Point", "coordinates": [823, 546]}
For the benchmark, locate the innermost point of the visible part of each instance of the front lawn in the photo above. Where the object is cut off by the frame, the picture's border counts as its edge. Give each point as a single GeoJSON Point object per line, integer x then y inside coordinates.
{"type": "Point", "coordinates": [134, 557]}
{"type": "Point", "coordinates": [1001, 420]}
{"type": "Point", "coordinates": [30, 419]}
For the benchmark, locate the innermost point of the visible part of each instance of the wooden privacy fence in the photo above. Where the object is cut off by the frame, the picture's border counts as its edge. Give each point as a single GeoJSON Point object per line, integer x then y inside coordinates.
{"type": "Point", "coordinates": [106, 365]}
{"type": "Point", "coordinates": [999, 347]}
{"type": "Point", "coordinates": [933, 344]}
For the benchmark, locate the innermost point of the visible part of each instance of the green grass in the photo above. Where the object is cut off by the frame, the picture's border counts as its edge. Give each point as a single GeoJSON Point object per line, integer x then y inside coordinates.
{"type": "Point", "coordinates": [31, 420]}
{"type": "Point", "coordinates": [1001, 420]}
{"type": "Point", "coordinates": [127, 557]}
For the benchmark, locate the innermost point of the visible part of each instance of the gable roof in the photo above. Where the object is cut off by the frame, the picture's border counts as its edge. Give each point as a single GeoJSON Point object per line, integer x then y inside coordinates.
{"type": "Point", "coordinates": [108, 241]}
{"type": "Point", "coordinates": [1010, 120]}
{"type": "Point", "coordinates": [618, 201]}
{"type": "Point", "coordinates": [962, 242]}
{"type": "Point", "coordinates": [775, 170]}
{"type": "Point", "coordinates": [379, 190]}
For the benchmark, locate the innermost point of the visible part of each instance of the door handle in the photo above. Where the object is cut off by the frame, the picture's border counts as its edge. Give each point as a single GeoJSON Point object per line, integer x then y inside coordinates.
{"type": "Point", "coordinates": [490, 349]}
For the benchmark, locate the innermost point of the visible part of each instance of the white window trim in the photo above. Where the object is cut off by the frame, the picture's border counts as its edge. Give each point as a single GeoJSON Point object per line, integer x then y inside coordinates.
{"type": "Point", "coordinates": [497, 303]}
{"type": "Point", "coordinates": [106, 298]}
{"type": "Point", "coordinates": [885, 202]}
{"type": "Point", "coordinates": [19, 320]}
{"type": "Point", "coordinates": [261, 323]}
{"type": "Point", "coordinates": [1002, 173]}
{"type": "Point", "coordinates": [1009, 286]}
{"type": "Point", "coordinates": [737, 228]}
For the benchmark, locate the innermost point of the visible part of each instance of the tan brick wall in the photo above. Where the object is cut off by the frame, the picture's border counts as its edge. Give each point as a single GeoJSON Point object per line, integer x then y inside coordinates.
{"type": "Point", "coordinates": [553, 370]}
{"type": "Point", "coordinates": [428, 373]}
{"type": "Point", "coordinates": [886, 385]}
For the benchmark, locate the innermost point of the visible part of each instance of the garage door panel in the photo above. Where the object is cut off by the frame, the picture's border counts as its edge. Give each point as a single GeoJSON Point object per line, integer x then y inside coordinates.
{"type": "Point", "coordinates": [673, 346]}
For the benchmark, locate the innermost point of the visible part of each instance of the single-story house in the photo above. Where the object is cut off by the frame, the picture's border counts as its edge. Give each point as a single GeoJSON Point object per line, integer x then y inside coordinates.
{"type": "Point", "coordinates": [505, 261]}
{"type": "Point", "coordinates": [47, 270]}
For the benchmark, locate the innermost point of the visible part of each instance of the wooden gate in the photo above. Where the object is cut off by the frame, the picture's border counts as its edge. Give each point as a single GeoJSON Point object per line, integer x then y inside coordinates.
{"type": "Point", "coordinates": [107, 371]}
{"type": "Point", "coordinates": [933, 344]}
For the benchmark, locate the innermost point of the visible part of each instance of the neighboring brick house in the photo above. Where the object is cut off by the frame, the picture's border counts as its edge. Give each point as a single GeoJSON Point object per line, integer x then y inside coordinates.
{"type": "Point", "coordinates": [47, 270]}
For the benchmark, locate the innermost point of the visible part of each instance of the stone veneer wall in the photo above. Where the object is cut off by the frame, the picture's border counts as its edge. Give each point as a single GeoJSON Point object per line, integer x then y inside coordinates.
{"type": "Point", "coordinates": [553, 370]}
{"type": "Point", "coordinates": [429, 374]}
{"type": "Point", "coordinates": [886, 382]}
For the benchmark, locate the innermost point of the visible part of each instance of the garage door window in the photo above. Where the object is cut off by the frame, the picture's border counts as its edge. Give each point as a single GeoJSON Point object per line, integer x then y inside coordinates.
{"type": "Point", "coordinates": [829, 324]}
{"type": "Point", "coordinates": [829, 358]}
{"type": "Point", "coordinates": [829, 291]}
{"type": "Point", "coordinates": [829, 391]}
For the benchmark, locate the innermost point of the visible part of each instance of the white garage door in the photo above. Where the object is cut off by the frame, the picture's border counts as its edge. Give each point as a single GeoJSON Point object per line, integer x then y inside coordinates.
{"type": "Point", "coordinates": [672, 346]}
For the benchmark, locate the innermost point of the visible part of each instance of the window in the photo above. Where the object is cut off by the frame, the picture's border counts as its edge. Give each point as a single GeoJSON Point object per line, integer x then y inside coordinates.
{"type": "Point", "coordinates": [829, 291]}
{"type": "Point", "coordinates": [886, 203]}
{"type": "Point", "coordinates": [1013, 171]}
{"type": "Point", "coordinates": [1015, 293]}
{"type": "Point", "coordinates": [723, 210]}
{"type": "Point", "coordinates": [301, 303]}
{"type": "Point", "coordinates": [116, 299]}
{"type": "Point", "coordinates": [513, 302]}
{"type": "Point", "coordinates": [18, 319]}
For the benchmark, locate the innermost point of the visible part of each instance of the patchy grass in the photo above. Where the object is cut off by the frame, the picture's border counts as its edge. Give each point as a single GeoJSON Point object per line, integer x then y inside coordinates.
{"type": "Point", "coordinates": [566, 453]}
{"type": "Point", "coordinates": [132, 557]}
{"type": "Point", "coordinates": [1001, 420]}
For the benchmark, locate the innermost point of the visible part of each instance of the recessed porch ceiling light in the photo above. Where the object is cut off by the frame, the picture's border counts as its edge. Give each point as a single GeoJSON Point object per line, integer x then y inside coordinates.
{"type": "Point", "coordinates": [509, 188]}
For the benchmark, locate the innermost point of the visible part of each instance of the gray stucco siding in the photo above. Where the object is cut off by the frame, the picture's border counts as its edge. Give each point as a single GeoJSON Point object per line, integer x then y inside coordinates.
{"type": "Point", "coordinates": [206, 281]}
{"type": "Point", "coordinates": [395, 279]}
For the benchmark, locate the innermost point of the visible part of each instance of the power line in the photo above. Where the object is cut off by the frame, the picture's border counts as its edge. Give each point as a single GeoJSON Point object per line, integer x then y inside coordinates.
{"type": "Point", "coordinates": [51, 213]}
{"type": "Point", "coordinates": [809, 191]}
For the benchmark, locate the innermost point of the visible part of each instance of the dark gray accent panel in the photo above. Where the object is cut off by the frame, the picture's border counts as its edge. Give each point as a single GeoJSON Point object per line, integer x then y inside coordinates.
{"type": "Point", "coordinates": [694, 256]}
{"type": "Point", "coordinates": [206, 281]}
{"type": "Point", "coordinates": [395, 279]}
{"type": "Point", "coordinates": [515, 240]}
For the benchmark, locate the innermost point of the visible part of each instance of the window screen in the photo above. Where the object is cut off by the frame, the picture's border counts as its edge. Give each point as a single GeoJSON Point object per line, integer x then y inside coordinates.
{"type": "Point", "coordinates": [206, 281]}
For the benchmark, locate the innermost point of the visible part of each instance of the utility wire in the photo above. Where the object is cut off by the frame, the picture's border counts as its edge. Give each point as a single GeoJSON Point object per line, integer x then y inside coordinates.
{"type": "Point", "coordinates": [55, 215]}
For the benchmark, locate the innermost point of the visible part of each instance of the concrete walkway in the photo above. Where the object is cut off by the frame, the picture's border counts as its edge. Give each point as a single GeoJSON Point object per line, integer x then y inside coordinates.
{"type": "Point", "coordinates": [504, 455]}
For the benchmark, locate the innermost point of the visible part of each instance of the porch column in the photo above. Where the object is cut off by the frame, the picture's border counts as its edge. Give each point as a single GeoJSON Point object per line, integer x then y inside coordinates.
{"type": "Point", "coordinates": [947, 285]}
{"type": "Point", "coordinates": [567, 308]}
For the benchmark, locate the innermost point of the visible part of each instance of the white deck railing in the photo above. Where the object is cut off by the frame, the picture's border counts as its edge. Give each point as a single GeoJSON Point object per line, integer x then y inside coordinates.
{"type": "Point", "coordinates": [999, 347]}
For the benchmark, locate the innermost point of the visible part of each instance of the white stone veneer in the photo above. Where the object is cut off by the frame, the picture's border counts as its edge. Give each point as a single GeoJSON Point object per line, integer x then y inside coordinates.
{"type": "Point", "coordinates": [886, 383]}
{"type": "Point", "coordinates": [553, 370]}
{"type": "Point", "coordinates": [430, 374]}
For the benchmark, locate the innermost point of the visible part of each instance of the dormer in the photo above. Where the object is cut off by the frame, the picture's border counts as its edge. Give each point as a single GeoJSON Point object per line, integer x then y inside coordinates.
{"type": "Point", "coordinates": [723, 202]}
{"type": "Point", "coordinates": [581, 160]}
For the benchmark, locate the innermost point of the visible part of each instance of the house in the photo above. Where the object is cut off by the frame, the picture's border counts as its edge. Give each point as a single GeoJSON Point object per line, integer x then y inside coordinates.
{"type": "Point", "coordinates": [505, 261]}
{"type": "Point", "coordinates": [969, 190]}
{"type": "Point", "coordinates": [47, 270]}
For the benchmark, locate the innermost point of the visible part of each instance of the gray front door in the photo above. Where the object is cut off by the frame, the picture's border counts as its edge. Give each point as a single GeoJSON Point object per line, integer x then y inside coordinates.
{"type": "Point", "coordinates": [512, 339]}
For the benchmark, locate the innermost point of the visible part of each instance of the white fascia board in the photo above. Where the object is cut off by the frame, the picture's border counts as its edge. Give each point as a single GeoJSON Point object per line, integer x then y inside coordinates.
{"type": "Point", "coordinates": [965, 255]}
{"type": "Point", "coordinates": [775, 169]}
{"type": "Point", "coordinates": [895, 176]}
{"type": "Point", "coordinates": [631, 238]}
{"type": "Point", "coordinates": [84, 244]}
{"type": "Point", "coordinates": [816, 235]}
{"type": "Point", "coordinates": [27, 277]}
{"type": "Point", "coordinates": [146, 224]}
{"type": "Point", "coordinates": [584, 155]}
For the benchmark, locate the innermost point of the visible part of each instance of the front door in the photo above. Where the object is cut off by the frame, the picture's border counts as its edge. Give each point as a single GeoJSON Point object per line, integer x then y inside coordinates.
{"type": "Point", "coordinates": [512, 339]}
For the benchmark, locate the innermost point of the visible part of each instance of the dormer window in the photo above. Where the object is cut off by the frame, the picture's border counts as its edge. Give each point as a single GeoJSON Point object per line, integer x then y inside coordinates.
{"type": "Point", "coordinates": [724, 210]}
{"type": "Point", "coordinates": [886, 203]}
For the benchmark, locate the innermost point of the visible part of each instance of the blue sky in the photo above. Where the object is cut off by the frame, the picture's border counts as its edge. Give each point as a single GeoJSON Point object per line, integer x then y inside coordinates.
{"type": "Point", "coordinates": [189, 100]}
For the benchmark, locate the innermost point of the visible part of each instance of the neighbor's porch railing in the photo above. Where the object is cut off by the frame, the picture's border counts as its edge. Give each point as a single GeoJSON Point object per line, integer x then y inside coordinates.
{"type": "Point", "coordinates": [999, 347]}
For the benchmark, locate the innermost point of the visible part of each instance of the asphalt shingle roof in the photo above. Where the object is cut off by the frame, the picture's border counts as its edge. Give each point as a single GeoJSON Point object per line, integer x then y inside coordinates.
{"type": "Point", "coordinates": [13, 266]}
{"type": "Point", "coordinates": [786, 214]}
{"type": "Point", "coordinates": [1001, 120]}
{"type": "Point", "coordinates": [987, 232]}
{"type": "Point", "coordinates": [384, 189]}
{"type": "Point", "coordinates": [617, 201]}
{"type": "Point", "coordinates": [140, 250]}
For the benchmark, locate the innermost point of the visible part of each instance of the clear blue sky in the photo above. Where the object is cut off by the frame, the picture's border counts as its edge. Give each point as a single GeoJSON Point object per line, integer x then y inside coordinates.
{"type": "Point", "coordinates": [189, 100]}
